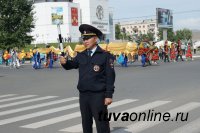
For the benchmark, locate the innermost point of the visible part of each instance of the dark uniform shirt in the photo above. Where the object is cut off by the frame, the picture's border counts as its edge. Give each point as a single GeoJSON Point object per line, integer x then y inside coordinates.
{"type": "Point", "coordinates": [96, 73]}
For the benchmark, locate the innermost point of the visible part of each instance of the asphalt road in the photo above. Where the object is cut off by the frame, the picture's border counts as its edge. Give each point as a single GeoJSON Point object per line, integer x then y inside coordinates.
{"type": "Point", "coordinates": [46, 101]}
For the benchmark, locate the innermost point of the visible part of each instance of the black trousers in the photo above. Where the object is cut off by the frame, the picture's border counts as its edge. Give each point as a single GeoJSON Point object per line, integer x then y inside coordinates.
{"type": "Point", "coordinates": [161, 56]}
{"type": "Point", "coordinates": [166, 58]}
{"type": "Point", "coordinates": [91, 105]}
{"type": "Point", "coordinates": [194, 51]}
{"type": "Point", "coordinates": [178, 56]}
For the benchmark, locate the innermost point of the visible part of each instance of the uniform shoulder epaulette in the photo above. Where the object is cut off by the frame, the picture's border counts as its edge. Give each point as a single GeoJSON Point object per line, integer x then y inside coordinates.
{"type": "Point", "coordinates": [107, 52]}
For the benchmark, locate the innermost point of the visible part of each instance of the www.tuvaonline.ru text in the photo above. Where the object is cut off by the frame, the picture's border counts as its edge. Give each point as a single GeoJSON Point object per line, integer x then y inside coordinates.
{"type": "Point", "coordinates": [150, 115]}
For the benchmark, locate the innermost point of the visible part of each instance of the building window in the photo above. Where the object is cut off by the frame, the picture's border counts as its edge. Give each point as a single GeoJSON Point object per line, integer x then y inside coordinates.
{"type": "Point", "coordinates": [153, 25]}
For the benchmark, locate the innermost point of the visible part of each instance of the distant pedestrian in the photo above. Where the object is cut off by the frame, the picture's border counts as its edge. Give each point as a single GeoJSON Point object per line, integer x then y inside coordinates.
{"type": "Point", "coordinates": [107, 41]}
{"type": "Point", "coordinates": [173, 52]}
{"type": "Point", "coordinates": [179, 51]}
{"type": "Point", "coordinates": [160, 53]}
{"type": "Point", "coordinates": [120, 59]}
{"type": "Point", "coordinates": [194, 49]}
{"type": "Point", "coordinates": [69, 39]}
{"type": "Point", "coordinates": [189, 52]}
{"type": "Point", "coordinates": [155, 56]}
{"type": "Point", "coordinates": [15, 61]}
{"type": "Point", "coordinates": [37, 61]}
{"type": "Point", "coordinates": [124, 63]}
{"type": "Point", "coordinates": [183, 49]}
{"type": "Point", "coordinates": [50, 59]}
{"type": "Point", "coordinates": [166, 52]}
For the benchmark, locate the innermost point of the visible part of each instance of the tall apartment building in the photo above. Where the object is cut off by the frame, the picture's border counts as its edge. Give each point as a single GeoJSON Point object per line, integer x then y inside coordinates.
{"type": "Point", "coordinates": [140, 27]}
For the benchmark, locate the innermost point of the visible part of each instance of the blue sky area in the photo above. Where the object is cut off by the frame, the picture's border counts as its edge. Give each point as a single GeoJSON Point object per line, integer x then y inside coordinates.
{"type": "Point", "coordinates": [186, 12]}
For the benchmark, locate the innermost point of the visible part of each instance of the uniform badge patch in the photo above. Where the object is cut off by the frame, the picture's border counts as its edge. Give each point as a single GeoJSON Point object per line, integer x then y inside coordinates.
{"type": "Point", "coordinates": [111, 62]}
{"type": "Point", "coordinates": [96, 68]}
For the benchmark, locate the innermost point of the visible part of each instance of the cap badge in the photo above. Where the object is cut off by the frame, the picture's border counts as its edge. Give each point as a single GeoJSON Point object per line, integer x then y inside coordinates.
{"type": "Point", "coordinates": [96, 68]}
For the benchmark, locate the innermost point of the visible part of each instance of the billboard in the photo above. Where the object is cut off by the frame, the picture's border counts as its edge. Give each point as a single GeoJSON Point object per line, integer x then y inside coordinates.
{"type": "Point", "coordinates": [57, 15]}
{"type": "Point", "coordinates": [164, 18]}
{"type": "Point", "coordinates": [74, 16]}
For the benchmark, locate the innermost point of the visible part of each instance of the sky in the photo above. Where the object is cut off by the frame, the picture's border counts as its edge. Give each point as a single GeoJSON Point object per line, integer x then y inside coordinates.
{"type": "Point", "coordinates": [186, 13]}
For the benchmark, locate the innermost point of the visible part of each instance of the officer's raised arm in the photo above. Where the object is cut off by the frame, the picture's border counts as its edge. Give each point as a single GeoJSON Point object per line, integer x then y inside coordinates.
{"type": "Point", "coordinates": [69, 64]}
{"type": "Point", "coordinates": [110, 76]}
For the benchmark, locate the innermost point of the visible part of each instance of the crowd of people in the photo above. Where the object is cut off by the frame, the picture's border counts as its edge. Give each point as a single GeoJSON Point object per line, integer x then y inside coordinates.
{"type": "Point", "coordinates": [14, 58]}
{"type": "Point", "coordinates": [41, 60]}
{"type": "Point", "coordinates": [146, 53]}
{"type": "Point", "coordinates": [151, 54]}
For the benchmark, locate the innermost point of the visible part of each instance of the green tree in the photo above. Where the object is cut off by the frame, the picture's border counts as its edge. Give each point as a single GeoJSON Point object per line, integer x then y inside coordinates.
{"type": "Point", "coordinates": [184, 34]}
{"type": "Point", "coordinates": [16, 23]}
{"type": "Point", "coordinates": [150, 36]}
{"type": "Point", "coordinates": [123, 36]}
{"type": "Point", "coordinates": [145, 37]}
{"type": "Point", "coordinates": [139, 38]}
{"type": "Point", "coordinates": [170, 34]}
{"type": "Point", "coordinates": [117, 32]}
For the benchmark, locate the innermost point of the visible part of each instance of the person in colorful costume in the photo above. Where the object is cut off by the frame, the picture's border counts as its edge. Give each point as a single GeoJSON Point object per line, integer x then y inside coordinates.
{"type": "Point", "coordinates": [29, 55]}
{"type": "Point", "coordinates": [37, 61]}
{"type": "Point", "coordinates": [124, 64]}
{"type": "Point", "coordinates": [155, 56]}
{"type": "Point", "coordinates": [1, 60]}
{"type": "Point", "coordinates": [189, 52]}
{"type": "Point", "coordinates": [15, 61]}
{"type": "Point", "coordinates": [50, 59]}
{"type": "Point", "coordinates": [179, 51]}
{"type": "Point", "coordinates": [141, 52]}
{"type": "Point", "coordinates": [166, 51]}
{"type": "Point", "coordinates": [173, 52]}
{"type": "Point", "coordinates": [120, 59]}
{"type": "Point", "coordinates": [6, 57]}
{"type": "Point", "coordinates": [23, 55]}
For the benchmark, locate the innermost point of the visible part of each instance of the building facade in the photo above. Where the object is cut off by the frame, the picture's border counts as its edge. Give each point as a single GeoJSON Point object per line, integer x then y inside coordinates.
{"type": "Point", "coordinates": [140, 27]}
{"type": "Point", "coordinates": [70, 14]}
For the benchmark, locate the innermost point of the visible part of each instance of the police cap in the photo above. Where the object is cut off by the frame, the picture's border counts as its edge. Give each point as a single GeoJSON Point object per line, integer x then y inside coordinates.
{"type": "Point", "coordinates": [89, 31]}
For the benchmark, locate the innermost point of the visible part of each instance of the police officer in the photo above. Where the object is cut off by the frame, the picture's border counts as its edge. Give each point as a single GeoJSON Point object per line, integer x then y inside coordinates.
{"type": "Point", "coordinates": [96, 79]}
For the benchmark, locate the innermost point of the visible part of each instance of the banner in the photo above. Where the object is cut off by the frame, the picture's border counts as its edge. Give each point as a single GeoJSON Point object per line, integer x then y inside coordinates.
{"type": "Point", "coordinates": [57, 15]}
{"type": "Point", "coordinates": [74, 16]}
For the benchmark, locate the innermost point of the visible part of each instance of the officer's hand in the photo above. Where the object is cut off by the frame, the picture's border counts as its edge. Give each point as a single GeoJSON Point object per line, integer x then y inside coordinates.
{"type": "Point", "coordinates": [62, 60]}
{"type": "Point", "coordinates": [108, 101]}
